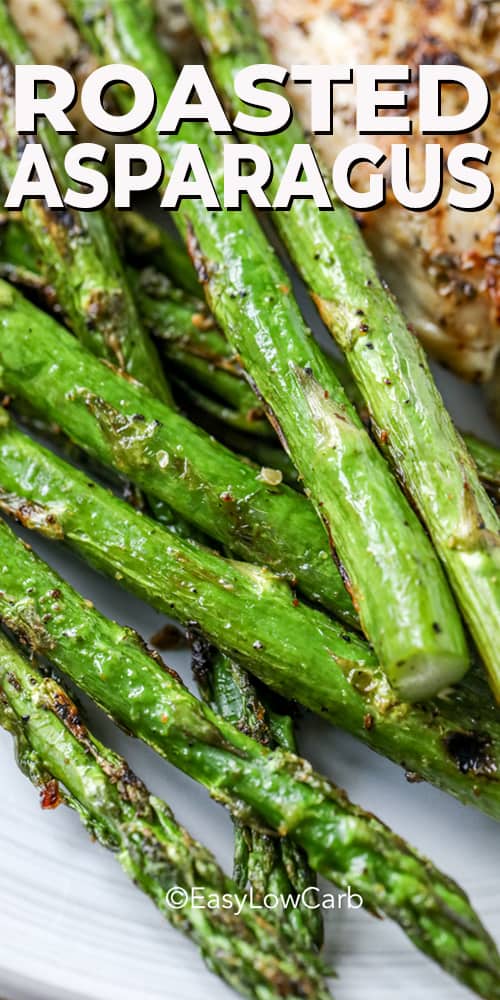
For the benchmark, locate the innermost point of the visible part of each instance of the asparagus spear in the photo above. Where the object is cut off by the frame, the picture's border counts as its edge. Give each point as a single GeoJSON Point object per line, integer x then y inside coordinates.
{"type": "Point", "coordinates": [269, 866]}
{"type": "Point", "coordinates": [76, 249]}
{"type": "Point", "coordinates": [262, 861]}
{"type": "Point", "coordinates": [301, 654]}
{"type": "Point", "coordinates": [121, 425]}
{"type": "Point", "coordinates": [148, 245]}
{"type": "Point", "coordinates": [192, 344]}
{"type": "Point", "coordinates": [263, 454]}
{"type": "Point", "coordinates": [413, 427]}
{"type": "Point", "coordinates": [59, 755]}
{"type": "Point", "coordinates": [186, 334]}
{"type": "Point", "coordinates": [216, 410]}
{"type": "Point", "coordinates": [270, 788]}
{"type": "Point", "coordinates": [207, 359]}
{"type": "Point", "coordinates": [272, 868]}
{"type": "Point", "coordinates": [386, 558]}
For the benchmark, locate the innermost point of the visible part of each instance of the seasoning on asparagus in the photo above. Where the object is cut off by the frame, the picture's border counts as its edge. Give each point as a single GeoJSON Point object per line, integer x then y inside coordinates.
{"type": "Point", "coordinates": [267, 864]}
{"type": "Point", "coordinates": [271, 867]}
{"type": "Point", "coordinates": [250, 615]}
{"type": "Point", "coordinates": [76, 249]}
{"type": "Point", "coordinates": [60, 755]}
{"type": "Point", "coordinates": [406, 410]}
{"type": "Point", "coordinates": [122, 425]}
{"type": "Point", "coordinates": [270, 788]}
{"type": "Point", "coordinates": [385, 556]}
{"type": "Point", "coordinates": [191, 343]}
{"type": "Point", "coordinates": [263, 454]}
{"type": "Point", "coordinates": [187, 335]}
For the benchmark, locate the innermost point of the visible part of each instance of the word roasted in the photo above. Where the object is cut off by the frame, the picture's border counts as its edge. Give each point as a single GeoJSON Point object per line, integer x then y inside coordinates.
{"type": "Point", "coordinates": [49, 92]}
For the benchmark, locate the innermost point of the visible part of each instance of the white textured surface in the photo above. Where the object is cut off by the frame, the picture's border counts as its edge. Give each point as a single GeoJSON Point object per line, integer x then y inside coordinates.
{"type": "Point", "coordinates": [73, 928]}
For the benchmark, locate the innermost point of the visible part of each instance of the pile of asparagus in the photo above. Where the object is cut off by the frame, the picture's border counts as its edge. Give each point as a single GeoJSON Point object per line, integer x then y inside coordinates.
{"type": "Point", "coordinates": [283, 503]}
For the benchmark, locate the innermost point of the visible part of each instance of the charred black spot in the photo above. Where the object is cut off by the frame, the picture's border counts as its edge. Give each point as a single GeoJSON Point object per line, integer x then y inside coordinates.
{"type": "Point", "coordinates": [67, 712]}
{"type": "Point", "coordinates": [124, 776]}
{"type": "Point", "coordinates": [470, 752]}
{"type": "Point", "coordinates": [202, 655]}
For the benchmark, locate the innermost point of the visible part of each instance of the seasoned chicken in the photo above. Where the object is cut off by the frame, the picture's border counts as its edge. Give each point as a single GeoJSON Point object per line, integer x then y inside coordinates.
{"type": "Point", "coordinates": [444, 265]}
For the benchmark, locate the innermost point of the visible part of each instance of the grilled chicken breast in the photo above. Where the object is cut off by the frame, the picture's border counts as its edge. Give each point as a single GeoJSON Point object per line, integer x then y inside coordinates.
{"type": "Point", "coordinates": [444, 265]}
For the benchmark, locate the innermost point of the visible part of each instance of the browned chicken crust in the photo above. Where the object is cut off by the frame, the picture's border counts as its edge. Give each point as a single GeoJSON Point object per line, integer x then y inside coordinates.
{"type": "Point", "coordinates": [444, 265]}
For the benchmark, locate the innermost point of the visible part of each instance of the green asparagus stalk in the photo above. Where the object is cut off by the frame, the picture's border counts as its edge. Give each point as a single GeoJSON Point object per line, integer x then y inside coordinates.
{"type": "Point", "coordinates": [122, 426]}
{"type": "Point", "coordinates": [271, 868]}
{"type": "Point", "coordinates": [186, 334]}
{"type": "Point", "coordinates": [214, 409]}
{"type": "Point", "coordinates": [267, 788]}
{"type": "Point", "coordinates": [19, 261]}
{"type": "Point", "coordinates": [59, 755]}
{"type": "Point", "coordinates": [148, 245]}
{"type": "Point", "coordinates": [194, 347]}
{"type": "Point", "coordinates": [76, 249]}
{"type": "Point", "coordinates": [203, 357]}
{"type": "Point", "coordinates": [267, 864]}
{"type": "Point", "coordinates": [412, 425]}
{"type": "Point", "coordinates": [385, 556]}
{"type": "Point", "coordinates": [192, 344]}
{"type": "Point", "coordinates": [263, 454]}
{"type": "Point", "coordinates": [453, 742]}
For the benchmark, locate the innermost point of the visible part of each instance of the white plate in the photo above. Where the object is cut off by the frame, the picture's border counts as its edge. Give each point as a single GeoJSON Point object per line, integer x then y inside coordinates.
{"type": "Point", "coordinates": [72, 927]}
